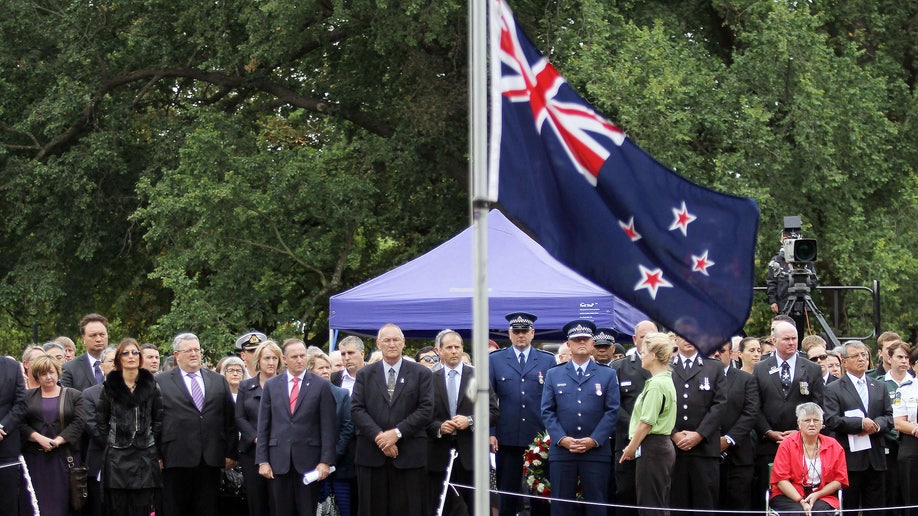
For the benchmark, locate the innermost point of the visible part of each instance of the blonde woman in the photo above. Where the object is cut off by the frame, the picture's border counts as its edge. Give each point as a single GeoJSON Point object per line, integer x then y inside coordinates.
{"type": "Point", "coordinates": [652, 421]}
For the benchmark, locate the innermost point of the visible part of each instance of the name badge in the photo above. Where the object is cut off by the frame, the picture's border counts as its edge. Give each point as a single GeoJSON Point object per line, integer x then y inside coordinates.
{"type": "Point", "coordinates": [626, 383]}
{"type": "Point", "coordinates": [561, 385]}
{"type": "Point", "coordinates": [773, 370]}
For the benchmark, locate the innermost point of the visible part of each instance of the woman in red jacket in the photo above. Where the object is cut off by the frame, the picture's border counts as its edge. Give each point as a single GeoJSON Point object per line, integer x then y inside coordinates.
{"type": "Point", "coordinates": [809, 468]}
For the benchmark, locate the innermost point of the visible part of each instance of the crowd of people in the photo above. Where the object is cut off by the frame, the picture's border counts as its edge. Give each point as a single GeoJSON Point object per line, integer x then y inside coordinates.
{"type": "Point", "coordinates": [758, 422]}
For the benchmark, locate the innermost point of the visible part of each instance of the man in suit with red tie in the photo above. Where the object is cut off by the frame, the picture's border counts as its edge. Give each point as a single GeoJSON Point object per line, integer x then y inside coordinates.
{"type": "Point", "coordinates": [297, 433]}
{"type": "Point", "coordinates": [391, 407]}
{"type": "Point", "coordinates": [453, 424]}
{"type": "Point", "coordinates": [199, 436]}
{"type": "Point", "coordinates": [857, 405]}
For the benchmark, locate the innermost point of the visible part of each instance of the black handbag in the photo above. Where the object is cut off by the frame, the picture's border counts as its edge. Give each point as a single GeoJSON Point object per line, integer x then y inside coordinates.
{"type": "Point", "coordinates": [79, 493]}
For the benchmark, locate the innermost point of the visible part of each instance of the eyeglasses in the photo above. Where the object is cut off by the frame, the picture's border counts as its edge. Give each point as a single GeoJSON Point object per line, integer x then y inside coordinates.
{"type": "Point", "coordinates": [819, 358]}
{"type": "Point", "coordinates": [129, 352]}
{"type": "Point", "coordinates": [190, 351]}
{"type": "Point", "coordinates": [859, 355]}
{"type": "Point", "coordinates": [430, 359]}
{"type": "Point", "coordinates": [234, 370]}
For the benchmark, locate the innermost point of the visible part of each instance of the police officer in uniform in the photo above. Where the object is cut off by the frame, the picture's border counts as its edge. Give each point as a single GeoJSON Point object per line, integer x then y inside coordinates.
{"type": "Point", "coordinates": [604, 346]}
{"type": "Point", "coordinates": [517, 374]}
{"type": "Point", "coordinates": [701, 395]}
{"type": "Point", "coordinates": [631, 378]}
{"type": "Point", "coordinates": [579, 408]}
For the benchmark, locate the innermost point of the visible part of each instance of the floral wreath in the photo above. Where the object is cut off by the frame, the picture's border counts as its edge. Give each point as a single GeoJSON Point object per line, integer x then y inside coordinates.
{"type": "Point", "coordinates": [534, 461]}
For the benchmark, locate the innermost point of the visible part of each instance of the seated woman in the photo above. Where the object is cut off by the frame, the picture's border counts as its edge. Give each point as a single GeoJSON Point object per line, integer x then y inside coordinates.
{"type": "Point", "coordinates": [809, 468]}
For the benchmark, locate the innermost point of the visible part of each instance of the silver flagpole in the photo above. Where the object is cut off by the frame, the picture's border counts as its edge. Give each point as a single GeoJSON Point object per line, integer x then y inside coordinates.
{"type": "Point", "coordinates": [478, 168]}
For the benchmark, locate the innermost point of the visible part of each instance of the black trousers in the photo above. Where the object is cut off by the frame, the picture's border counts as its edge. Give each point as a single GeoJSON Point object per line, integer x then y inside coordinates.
{"type": "Point", "coordinates": [866, 490]}
{"type": "Point", "coordinates": [908, 472]}
{"type": "Point", "coordinates": [787, 507]}
{"type": "Point", "coordinates": [625, 491]}
{"type": "Point", "coordinates": [257, 490]}
{"type": "Point", "coordinates": [735, 486]}
{"type": "Point", "coordinates": [291, 497]}
{"type": "Point", "coordinates": [390, 491]}
{"type": "Point", "coordinates": [696, 483]}
{"type": "Point", "coordinates": [653, 474]}
{"type": "Point", "coordinates": [10, 482]}
{"type": "Point", "coordinates": [191, 491]}
{"type": "Point", "coordinates": [509, 471]}
{"type": "Point", "coordinates": [454, 499]}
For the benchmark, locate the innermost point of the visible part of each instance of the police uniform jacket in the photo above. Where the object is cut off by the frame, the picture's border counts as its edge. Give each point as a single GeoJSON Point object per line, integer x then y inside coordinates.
{"type": "Point", "coordinates": [519, 393]}
{"type": "Point", "coordinates": [701, 395]}
{"type": "Point", "coordinates": [631, 378]}
{"type": "Point", "coordinates": [585, 407]}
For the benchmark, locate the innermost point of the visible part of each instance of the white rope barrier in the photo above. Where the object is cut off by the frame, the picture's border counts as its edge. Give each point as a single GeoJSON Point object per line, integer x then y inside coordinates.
{"type": "Point", "coordinates": [671, 509]}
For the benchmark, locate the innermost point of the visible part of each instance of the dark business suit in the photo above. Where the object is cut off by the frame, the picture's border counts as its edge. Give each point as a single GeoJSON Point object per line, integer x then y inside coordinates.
{"type": "Point", "coordinates": [701, 391]}
{"type": "Point", "coordinates": [295, 443]}
{"type": "Point", "coordinates": [519, 392]}
{"type": "Point", "coordinates": [867, 487]}
{"type": "Point", "coordinates": [580, 407]}
{"type": "Point", "coordinates": [94, 452]}
{"type": "Point", "coordinates": [12, 409]}
{"type": "Point", "coordinates": [737, 422]}
{"type": "Point", "coordinates": [392, 486]}
{"type": "Point", "coordinates": [257, 492]}
{"type": "Point", "coordinates": [78, 373]}
{"type": "Point", "coordinates": [195, 444]}
{"type": "Point", "coordinates": [439, 446]}
{"type": "Point", "coordinates": [778, 412]}
{"type": "Point", "coordinates": [345, 468]}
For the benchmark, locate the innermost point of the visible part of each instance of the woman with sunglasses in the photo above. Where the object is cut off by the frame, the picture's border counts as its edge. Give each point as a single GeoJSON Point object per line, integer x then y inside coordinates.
{"type": "Point", "coordinates": [129, 418]}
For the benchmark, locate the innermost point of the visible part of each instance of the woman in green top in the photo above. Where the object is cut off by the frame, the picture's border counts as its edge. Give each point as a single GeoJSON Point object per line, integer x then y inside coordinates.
{"type": "Point", "coordinates": [652, 422]}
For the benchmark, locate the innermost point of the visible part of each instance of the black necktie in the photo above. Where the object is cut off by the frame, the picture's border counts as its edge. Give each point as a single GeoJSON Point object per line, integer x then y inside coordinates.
{"type": "Point", "coordinates": [522, 360]}
{"type": "Point", "coordinates": [785, 377]}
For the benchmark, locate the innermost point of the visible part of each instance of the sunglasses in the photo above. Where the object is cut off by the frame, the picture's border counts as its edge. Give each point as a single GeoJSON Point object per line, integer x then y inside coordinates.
{"type": "Point", "coordinates": [430, 359]}
{"type": "Point", "coordinates": [819, 358]}
{"type": "Point", "coordinates": [129, 352]}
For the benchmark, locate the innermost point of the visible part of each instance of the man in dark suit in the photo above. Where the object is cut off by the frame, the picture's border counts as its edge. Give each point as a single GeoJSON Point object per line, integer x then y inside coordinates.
{"type": "Point", "coordinates": [784, 380]}
{"type": "Point", "coordinates": [859, 406]}
{"type": "Point", "coordinates": [353, 356]}
{"type": "Point", "coordinates": [453, 424]}
{"type": "Point", "coordinates": [391, 407]}
{"type": "Point", "coordinates": [517, 374]}
{"type": "Point", "coordinates": [95, 448]}
{"type": "Point", "coordinates": [579, 408]}
{"type": "Point", "coordinates": [736, 423]}
{"type": "Point", "coordinates": [85, 370]}
{"type": "Point", "coordinates": [702, 394]}
{"type": "Point", "coordinates": [199, 436]}
{"type": "Point", "coordinates": [631, 378]}
{"type": "Point", "coordinates": [296, 434]}
{"type": "Point", "coordinates": [12, 407]}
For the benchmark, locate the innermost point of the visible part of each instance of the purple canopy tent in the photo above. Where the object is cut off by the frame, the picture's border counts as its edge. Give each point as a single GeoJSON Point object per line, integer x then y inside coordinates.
{"type": "Point", "coordinates": [434, 291]}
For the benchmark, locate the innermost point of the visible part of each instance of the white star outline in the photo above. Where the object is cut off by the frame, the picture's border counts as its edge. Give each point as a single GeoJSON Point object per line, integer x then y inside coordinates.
{"type": "Point", "coordinates": [701, 263]}
{"type": "Point", "coordinates": [682, 220]}
{"type": "Point", "coordinates": [652, 280]}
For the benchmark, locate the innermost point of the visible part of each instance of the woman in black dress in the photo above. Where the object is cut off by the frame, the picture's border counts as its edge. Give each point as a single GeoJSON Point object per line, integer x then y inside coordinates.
{"type": "Point", "coordinates": [129, 418]}
{"type": "Point", "coordinates": [47, 439]}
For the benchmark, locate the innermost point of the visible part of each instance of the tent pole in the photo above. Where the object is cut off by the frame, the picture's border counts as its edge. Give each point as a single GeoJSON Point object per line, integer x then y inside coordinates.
{"type": "Point", "coordinates": [478, 151]}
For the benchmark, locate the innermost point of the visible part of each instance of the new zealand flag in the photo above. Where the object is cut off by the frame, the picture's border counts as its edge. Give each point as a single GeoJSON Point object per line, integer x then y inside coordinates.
{"type": "Point", "coordinates": [679, 252]}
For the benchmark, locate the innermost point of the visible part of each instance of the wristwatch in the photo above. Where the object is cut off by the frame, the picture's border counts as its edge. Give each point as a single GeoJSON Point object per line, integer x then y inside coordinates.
{"type": "Point", "coordinates": [471, 421]}
{"type": "Point", "coordinates": [398, 433]}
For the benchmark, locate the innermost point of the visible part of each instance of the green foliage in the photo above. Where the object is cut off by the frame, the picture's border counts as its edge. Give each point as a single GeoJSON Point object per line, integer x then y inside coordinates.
{"type": "Point", "coordinates": [221, 166]}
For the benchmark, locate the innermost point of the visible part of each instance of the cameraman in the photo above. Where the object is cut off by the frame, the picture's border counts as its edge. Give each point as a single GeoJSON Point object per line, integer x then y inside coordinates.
{"type": "Point", "coordinates": [779, 278]}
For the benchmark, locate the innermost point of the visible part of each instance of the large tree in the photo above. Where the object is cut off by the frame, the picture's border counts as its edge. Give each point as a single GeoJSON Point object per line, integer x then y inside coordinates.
{"type": "Point", "coordinates": [226, 165]}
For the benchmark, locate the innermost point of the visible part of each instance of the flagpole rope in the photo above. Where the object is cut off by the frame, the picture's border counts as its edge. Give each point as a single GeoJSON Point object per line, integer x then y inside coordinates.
{"type": "Point", "coordinates": [671, 509]}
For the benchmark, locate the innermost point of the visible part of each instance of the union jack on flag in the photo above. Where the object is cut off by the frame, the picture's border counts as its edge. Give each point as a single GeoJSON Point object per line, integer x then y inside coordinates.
{"type": "Point", "coordinates": [677, 251]}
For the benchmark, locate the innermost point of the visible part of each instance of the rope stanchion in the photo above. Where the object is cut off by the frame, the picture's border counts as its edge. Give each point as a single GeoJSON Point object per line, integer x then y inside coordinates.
{"type": "Point", "coordinates": [671, 509]}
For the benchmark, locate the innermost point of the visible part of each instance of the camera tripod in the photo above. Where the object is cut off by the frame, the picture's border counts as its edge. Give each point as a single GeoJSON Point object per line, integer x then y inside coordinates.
{"type": "Point", "coordinates": [799, 292]}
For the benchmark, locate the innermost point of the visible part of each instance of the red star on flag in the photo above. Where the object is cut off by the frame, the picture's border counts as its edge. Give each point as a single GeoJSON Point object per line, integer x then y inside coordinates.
{"type": "Point", "coordinates": [683, 218]}
{"type": "Point", "coordinates": [651, 280]}
{"type": "Point", "coordinates": [629, 230]}
{"type": "Point", "coordinates": [701, 263]}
